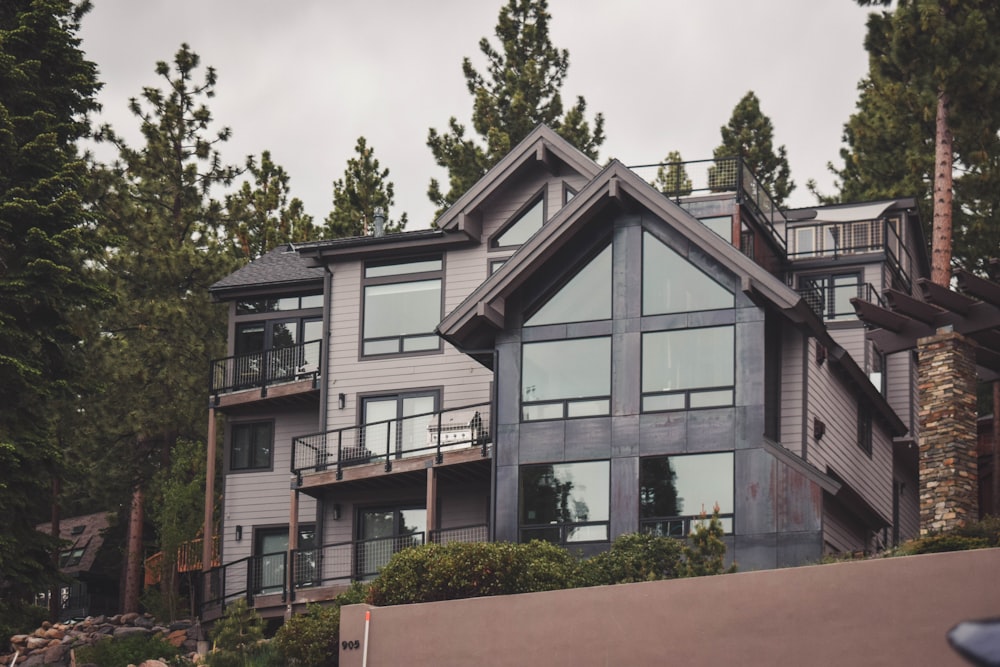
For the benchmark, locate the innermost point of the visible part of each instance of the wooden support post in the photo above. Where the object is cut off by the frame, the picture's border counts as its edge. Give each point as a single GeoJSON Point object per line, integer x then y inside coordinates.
{"type": "Point", "coordinates": [431, 501]}
{"type": "Point", "coordinates": [996, 448]}
{"type": "Point", "coordinates": [208, 540]}
{"type": "Point", "coordinates": [293, 544]}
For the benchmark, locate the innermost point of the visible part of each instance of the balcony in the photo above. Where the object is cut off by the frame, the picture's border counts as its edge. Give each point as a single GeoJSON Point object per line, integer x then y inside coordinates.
{"type": "Point", "coordinates": [837, 240]}
{"type": "Point", "coordinates": [318, 574]}
{"type": "Point", "coordinates": [458, 434]}
{"type": "Point", "coordinates": [296, 368]}
{"type": "Point", "coordinates": [188, 560]}
{"type": "Point", "coordinates": [830, 296]}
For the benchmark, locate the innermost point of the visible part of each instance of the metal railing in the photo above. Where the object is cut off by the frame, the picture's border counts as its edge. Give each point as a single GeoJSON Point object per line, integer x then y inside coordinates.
{"type": "Point", "coordinates": [259, 370]}
{"type": "Point", "coordinates": [188, 560]}
{"type": "Point", "coordinates": [723, 174]}
{"type": "Point", "coordinates": [681, 526]}
{"type": "Point", "coordinates": [831, 301]}
{"type": "Point", "coordinates": [837, 239]}
{"type": "Point", "coordinates": [384, 441]}
{"type": "Point", "coordinates": [327, 565]}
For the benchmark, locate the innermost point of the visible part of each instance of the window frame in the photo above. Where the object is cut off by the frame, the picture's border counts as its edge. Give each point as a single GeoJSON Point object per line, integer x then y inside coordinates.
{"type": "Point", "coordinates": [563, 528]}
{"type": "Point", "coordinates": [396, 422]}
{"type": "Point", "coordinates": [829, 292]}
{"type": "Point", "coordinates": [686, 522]}
{"type": "Point", "coordinates": [234, 427]}
{"type": "Point", "coordinates": [400, 278]}
{"type": "Point", "coordinates": [687, 392]}
{"type": "Point", "coordinates": [539, 197]}
{"type": "Point", "coordinates": [649, 237]}
{"type": "Point", "coordinates": [565, 402]}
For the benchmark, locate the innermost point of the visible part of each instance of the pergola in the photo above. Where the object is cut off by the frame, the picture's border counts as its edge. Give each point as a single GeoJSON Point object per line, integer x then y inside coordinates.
{"type": "Point", "coordinates": [973, 311]}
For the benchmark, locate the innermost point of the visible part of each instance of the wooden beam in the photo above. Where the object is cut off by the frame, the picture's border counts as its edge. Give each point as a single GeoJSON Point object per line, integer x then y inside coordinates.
{"type": "Point", "coordinates": [980, 288]}
{"type": "Point", "coordinates": [944, 297]}
{"type": "Point", "coordinates": [904, 304]}
{"type": "Point", "coordinates": [869, 313]}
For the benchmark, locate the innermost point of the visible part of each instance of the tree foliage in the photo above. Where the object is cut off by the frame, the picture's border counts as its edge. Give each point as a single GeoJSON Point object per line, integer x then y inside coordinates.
{"type": "Point", "coordinates": [48, 90]}
{"type": "Point", "coordinates": [933, 85]}
{"type": "Point", "coordinates": [363, 189]}
{"type": "Point", "coordinates": [519, 89]}
{"type": "Point", "coordinates": [671, 177]}
{"type": "Point", "coordinates": [749, 134]}
{"type": "Point", "coordinates": [261, 215]}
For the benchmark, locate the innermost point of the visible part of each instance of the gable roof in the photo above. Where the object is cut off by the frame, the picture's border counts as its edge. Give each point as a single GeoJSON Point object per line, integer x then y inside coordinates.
{"type": "Point", "coordinates": [476, 320]}
{"type": "Point", "coordinates": [281, 267]}
{"type": "Point", "coordinates": [80, 532]}
{"type": "Point", "coordinates": [541, 146]}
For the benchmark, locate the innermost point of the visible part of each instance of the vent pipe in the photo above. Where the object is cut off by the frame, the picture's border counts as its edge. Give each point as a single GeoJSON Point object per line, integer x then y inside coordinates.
{"type": "Point", "coordinates": [379, 221]}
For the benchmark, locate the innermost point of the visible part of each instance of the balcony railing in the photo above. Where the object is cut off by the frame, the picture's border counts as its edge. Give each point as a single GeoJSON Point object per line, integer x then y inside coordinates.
{"type": "Point", "coordinates": [385, 441]}
{"type": "Point", "coordinates": [327, 565]}
{"type": "Point", "coordinates": [188, 560]}
{"type": "Point", "coordinates": [259, 370]}
{"type": "Point", "coordinates": [831, 300]}
{"type": "Point", "coordinates": [681, 526]}
{"type": "Point", "coordinates": [838, 239]}
{"type": "Point", "coordinates": [724, 174]}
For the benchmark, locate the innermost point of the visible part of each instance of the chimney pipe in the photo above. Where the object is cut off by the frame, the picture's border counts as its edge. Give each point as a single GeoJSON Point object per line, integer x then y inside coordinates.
{"type": "Point", "coordinates": [379, 221]}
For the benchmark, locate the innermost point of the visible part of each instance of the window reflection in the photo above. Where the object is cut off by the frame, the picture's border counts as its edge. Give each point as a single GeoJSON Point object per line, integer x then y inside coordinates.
{"type": "Point", "coordinates": [674, 491]}
{"type": "Point", "coordinates": [688, 368]}
{"type": "Point", "coordinates": [566, 378]}
{"type": "Point", "coordinates": [565, 502]}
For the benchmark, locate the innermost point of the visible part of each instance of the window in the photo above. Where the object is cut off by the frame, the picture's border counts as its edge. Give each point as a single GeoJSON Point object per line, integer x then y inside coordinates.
{"type": "Point", "coordinates": [251, 446]}
{"type": "Point", "coordinates": [688, 368]}
{"type": "Point", "coordinates": [865, 428]}
{"type": "Point", "coordinates": [720, 224]}
{"type": "Point", "coordinates": [279, 304]}
{"type": "Point", "coordinates": [671, 284]}
{"type": "Point", "coordinates": [276, 350]}
{"type": "Point", "coordinates": [72, 557]}
{"type": "Point", "coordinates": [397, 425]}
{"type": "Point", "coordinates": [565, 502]}
{"type": "Point", "coordinates": [402, 305]}
{"type": "Point", "coordinates": [674, 491]}
{"type": "Point", "coordinates": [587, 296]}
{"type": "Point", "coordinates": [524, 224]}
{"type": "Point", "coordinates": [271, 552]}
{"type": "Point", "coordinates": [566, 378]}
{"type": "Point", "coordinates": [384, 531]}
{"type": "Point", "coordinates": [830, 295]}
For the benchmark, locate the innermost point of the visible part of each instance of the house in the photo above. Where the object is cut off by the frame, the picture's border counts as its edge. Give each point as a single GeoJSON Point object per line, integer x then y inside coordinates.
{"type": "Point", "coordinates": [569, 355]}
{"type": "Point", "coordinates": [91, 567]}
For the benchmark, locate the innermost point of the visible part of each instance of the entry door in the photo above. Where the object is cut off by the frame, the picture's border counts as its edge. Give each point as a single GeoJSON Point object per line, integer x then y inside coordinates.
{"type": "Point", "coordinates": [404, 418]}
{"type": "Point", "coordinates": [384, 531]}
{"type": "Point", "coordinates": [271, 547]}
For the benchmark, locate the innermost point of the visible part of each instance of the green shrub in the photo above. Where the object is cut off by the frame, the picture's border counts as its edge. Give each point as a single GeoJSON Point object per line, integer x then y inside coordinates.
{"type": "Point", "coordinates": [237, 636]}
{"type": "Point", "coordinates": [463, 570]}
{"type": "Point", "coordinates": [356, 594]}
{"type": "Point", "coordinates": [705, 552]}
{"type": "Point", "coordinates": [987, 529]}
{"type": "Point", "coordinates": [310, 639]}
{"type": "Point", "coordinates": [939, 543]}
{"type": "Point", "coordinates": [130, 650]}
{"type": "Point", "coordinates": [18, 617]}
{"type": "Point", "coordinates": [632, 558]}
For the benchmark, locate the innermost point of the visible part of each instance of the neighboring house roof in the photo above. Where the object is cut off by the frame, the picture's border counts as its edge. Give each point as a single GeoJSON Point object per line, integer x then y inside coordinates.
{"type": "Point", "coordinates": [473, 324]}
{"type": "Point", "coordinates": [83, 537]}
{"type": "Point", "coordinates": [281, 267]}
{"type": "Point", "coordinates": [542, 146]}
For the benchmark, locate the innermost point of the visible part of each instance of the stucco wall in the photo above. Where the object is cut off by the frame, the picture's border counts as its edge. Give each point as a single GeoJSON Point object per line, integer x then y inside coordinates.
{"type": "Point", "coordinates": [881, 612]}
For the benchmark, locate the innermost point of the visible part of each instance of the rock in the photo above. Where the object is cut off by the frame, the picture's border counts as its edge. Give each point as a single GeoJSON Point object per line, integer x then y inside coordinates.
{"type": "Point", "coordinates": [54, 633]}
{"type": "Point", "coordinates": [55, 654]}
{"type": "Point", "coordinates": [142, 622]}
{"type": "Point", "coordinates": [126, 619]}
{"type": "Point", "coordinates": [19, 640]}
{"type": "Point", "coordinates": [34, 660]}
{"type": "Point", "coordinates": [180, 625]}
{"type": "Point", "coordinates": [152, 663]}
{"type": "Point", "coordinates": [36, 643]}
{"type": "Point", "coordinates": [128, 631]}
{"type": "Point", "coordinates": [177, 638]}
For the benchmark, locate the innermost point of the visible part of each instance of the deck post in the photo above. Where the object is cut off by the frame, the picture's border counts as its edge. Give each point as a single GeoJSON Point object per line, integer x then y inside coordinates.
{"type": "Point", "coordinates": [431, 501]}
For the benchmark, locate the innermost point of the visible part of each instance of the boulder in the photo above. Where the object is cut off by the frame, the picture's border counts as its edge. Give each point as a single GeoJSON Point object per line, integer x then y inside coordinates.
{"type": "Point", "coordinates": [55, 655]}
{"type": "Point", "coordinates": [34, 643]}
{"type": "Point", "coordinates": [177, 638]}
{"type": "Point", "coordinates": [128, 631]}
{"type": "Point", "coordinates": [152, 663]}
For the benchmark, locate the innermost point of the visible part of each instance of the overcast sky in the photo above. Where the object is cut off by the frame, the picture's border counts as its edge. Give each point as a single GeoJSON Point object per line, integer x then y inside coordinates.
{"type": "Point", "coordinates": [305, 78]}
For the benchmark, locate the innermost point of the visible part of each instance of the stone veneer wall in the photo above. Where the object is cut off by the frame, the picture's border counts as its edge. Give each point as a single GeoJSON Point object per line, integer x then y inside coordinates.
{"type": "Point", "coordinates": [948, 476]}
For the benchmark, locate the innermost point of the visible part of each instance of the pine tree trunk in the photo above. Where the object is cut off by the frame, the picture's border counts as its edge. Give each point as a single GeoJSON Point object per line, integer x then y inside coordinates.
{"type": "Point", "coordinates": [133, 555]}
{"type": "Point", "coordinates": [54, 592]}
{"type": "Point", "coordinates": [941, 231]}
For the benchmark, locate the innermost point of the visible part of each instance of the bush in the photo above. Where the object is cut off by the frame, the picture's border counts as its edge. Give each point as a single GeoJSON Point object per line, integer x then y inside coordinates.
{"type": "Point", "coordinates": [130, 650]}
{"type": "Point", "coordinates": [310, 639]}
{"type": "Point", "coordinates": [462, 570]}
{"type": "Point", "coordinates": [632, 558]}
{"type": "Point", "coordinates": [705, 552]}
{"type": "Point", "coordinates": [237, 637]}
{"type": "Point", "coordinates": [976, 535]}
{"type": "Point", "coordinates": [17, 617]}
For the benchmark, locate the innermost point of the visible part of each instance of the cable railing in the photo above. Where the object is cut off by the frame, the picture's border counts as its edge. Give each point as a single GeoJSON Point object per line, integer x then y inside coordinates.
{"type": "Point", "coordinates": [259, 370]}
{"type": "Point", "coordinates": [385, 441]}
{"type": "Point", "coordinates": [832, 240]}
{"type": "Point", "coordinates": [830, 296]}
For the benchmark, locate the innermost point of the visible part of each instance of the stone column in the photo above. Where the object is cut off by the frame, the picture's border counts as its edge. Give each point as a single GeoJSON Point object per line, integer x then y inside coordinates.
{"type": "Point", "coordinates": [948, 478]}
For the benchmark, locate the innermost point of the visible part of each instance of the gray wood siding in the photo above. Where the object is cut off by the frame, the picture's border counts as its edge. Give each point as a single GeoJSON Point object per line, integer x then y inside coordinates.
{"type": "Point", "coordinates": [262, 498]}
{"type": "Point", "coordinates": [834, 402]}
{"type": "Point", "coordinates": [909, 503]}
{"type": "Point", "coordinates": [900, 388]}
{"type": "Point", "coordinates": [463, 380]}
{"type": "Point", "coordinates": [841, 533]}
{"type": "Point", "coordinates": [852, 339]}
{"type": "Point", "coordinates": [792, 391]}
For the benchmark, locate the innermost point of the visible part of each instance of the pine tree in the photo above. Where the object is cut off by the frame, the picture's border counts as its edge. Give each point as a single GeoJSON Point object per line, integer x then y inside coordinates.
{"type": "Point", "coordinates": [48, 90]}
{"type": "Point", "coordinates": [944, 55]}
{"type": "Point", "coordinates": [671, 177]}
{"type": "Point", "coordinates": [168, 242]}
{"type": "Point", "coordinates": [750, 135]}
{"type": "Point", "coordinates": [363, 189]}
{"type": "Point", "coordinates": [261, 215]}
{"type": "Point", "coordinates": [520, 89]}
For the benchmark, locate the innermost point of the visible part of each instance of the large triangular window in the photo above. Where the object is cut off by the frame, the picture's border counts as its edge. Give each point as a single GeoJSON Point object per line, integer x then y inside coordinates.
{"type": "Point", "coordinates": [586, 297]}
{"type": "Point", "coordinates": [521, 228]}
{"type": "Point", "coordinates": [672, 284]}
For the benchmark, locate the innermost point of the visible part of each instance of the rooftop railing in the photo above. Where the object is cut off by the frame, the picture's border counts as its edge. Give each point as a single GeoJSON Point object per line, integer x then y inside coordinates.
{"type": "Point", "coordinates": [259, 370]}
{"type": "Point", "coordinates": [838, 239]}
{"type": "Point", "coordinates": [724, 174]}
{"type": "Point", "coordinates": [385, 441]}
